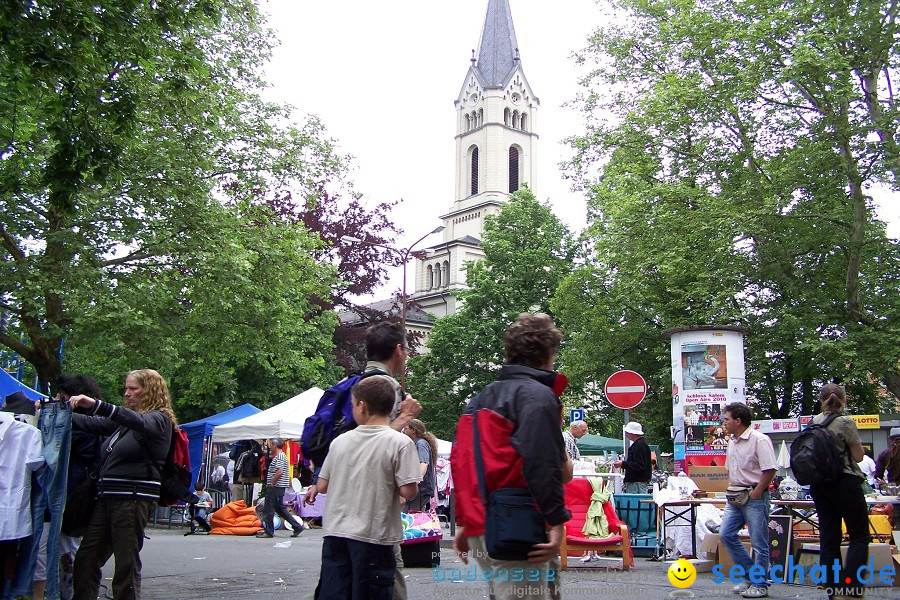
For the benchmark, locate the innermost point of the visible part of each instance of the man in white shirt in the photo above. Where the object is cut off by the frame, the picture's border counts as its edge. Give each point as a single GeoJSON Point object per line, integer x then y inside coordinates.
{"type": "Point", "coordinates": [867, 466]}
{"type": "Point", "coordinates": [751, 464]}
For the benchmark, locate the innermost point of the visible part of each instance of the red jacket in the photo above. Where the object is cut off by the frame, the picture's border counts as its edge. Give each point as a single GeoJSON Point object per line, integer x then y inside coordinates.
{"type": "Point", "coordinates": [519, 420]}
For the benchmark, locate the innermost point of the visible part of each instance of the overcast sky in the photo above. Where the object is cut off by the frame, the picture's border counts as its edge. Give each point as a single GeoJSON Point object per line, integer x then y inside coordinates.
{"type": "Point", "coordinates": [383, 76]}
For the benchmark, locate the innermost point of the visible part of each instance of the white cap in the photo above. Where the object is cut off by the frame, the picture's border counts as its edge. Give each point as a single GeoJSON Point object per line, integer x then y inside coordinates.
{"type": "Point", "coordinates": [634, 428]}
{"type": "Point", "coordinates": [895, 432]}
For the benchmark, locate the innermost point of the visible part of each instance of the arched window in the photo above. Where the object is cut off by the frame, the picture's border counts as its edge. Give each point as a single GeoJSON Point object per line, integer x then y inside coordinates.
{"type": "Point", "coordinates": [513, 169]}
{"type": "Point", "coordinates": [524, 128]}
{"type": "Point", "coordinates": [480, 117]}
{"type": "Point", "coordinates": [429, 277]}
{"type": "Point", "coordinates": [473, 172]}
{"type": "Point", "coordinates": [437, 275]}
{"type": "Point", "coordinates": [446, 273]}
{"type": "Point", "coordinates": [468, 123]}
{"type": "Point", "coordinates": [515, 120]}
{"type": "Point", "coordinates": [474, 120]}
{"type": "Point", "coordinates": [506, 117]}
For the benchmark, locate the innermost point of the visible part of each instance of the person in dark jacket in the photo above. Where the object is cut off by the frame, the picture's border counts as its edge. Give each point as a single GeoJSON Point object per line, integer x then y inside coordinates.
{"type": "Point", "coordinates": [519, 420]}
{"type": "Point", "coordinates": [638, 468]}
{"type": "Point", "coordinates": [140, 433]}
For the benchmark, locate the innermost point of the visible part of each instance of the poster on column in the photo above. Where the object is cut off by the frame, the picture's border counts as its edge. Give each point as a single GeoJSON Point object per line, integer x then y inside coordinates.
{"type": "Point", "coordinates": [707, 373]}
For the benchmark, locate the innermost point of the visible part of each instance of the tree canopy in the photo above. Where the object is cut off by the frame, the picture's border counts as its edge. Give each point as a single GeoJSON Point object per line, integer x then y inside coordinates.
{"type": "Point", "coordinates": [135, 149]}
{"type": "Point", "coordinates": [730, 157]}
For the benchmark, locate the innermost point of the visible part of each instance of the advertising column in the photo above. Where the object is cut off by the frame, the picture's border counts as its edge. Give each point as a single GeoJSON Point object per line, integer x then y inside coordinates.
{"type": "Point", "coordinates": [707, 374]}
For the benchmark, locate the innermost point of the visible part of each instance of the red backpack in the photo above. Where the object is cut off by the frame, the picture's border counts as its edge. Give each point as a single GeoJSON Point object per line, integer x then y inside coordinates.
{"type": "Point", "coordinates": [176, 472]}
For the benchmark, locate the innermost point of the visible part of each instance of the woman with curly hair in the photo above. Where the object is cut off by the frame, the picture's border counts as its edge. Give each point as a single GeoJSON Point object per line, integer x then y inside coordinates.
{"type": "Point", "coordinates": [129, 480]}
{"type": "Point", "coordinates": [426, 446]}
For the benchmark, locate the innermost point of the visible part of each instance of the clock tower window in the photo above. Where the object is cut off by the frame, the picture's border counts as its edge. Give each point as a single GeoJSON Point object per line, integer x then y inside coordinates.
{"type": "Point", "coordinates": [473, 172]}
{"type": "Point", "coordinates": [513, 169]}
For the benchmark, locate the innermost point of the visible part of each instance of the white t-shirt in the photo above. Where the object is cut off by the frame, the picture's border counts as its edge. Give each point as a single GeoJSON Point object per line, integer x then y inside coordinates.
{"type": "Point", "coordinates": [20, 455]}
{"type": "Point", "coordinates": [867, 466]}
{"type": "Point", "coordinates": [365, 469]}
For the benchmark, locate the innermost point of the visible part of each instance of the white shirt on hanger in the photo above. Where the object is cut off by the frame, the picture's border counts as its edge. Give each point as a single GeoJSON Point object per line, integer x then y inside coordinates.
{"type": "Point", "coordinates": [20, 455]}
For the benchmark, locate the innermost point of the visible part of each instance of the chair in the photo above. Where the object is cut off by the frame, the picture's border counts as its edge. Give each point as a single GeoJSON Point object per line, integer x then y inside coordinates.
{"type": "Point", "coordinates": [640, 516]}
{"type": "Point", "coordinates": [578, 501]}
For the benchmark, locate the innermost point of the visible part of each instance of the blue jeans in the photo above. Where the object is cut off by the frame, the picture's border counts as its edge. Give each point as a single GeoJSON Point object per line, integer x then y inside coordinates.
{"type": "Point", "coordinates": [48, 494]}
{"type": "Point", "coordinates": [354, 570]}
{"type": "Point", "coordinates": [754, 514]}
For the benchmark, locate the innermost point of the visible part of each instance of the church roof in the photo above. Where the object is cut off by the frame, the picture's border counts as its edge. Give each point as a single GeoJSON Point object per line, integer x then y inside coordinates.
{"type": "Point", "coordinates": [498, 50]}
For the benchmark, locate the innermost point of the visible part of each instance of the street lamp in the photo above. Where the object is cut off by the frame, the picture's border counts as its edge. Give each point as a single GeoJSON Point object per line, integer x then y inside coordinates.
{"type": "Point", "coordinates": [403, 253]}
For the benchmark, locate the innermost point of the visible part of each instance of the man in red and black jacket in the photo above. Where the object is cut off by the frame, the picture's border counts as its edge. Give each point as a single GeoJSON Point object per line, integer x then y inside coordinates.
{"type": "Point", "coordinates": [519, 419]}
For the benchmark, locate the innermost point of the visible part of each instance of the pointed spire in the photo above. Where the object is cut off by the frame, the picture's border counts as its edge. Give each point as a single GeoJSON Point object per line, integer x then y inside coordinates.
{"type": "Point", "coordinates": [498, 50]}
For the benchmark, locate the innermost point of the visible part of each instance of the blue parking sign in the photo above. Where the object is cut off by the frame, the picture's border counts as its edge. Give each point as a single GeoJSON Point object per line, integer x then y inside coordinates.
{"type": "Point", "coordinates": [576, 414]}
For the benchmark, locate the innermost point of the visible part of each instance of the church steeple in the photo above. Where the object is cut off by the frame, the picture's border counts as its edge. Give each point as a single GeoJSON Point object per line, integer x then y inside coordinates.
{"type": "Point", "coordinates": [496, 153]}
{"type": "Point", "coordinates": [498, 50]}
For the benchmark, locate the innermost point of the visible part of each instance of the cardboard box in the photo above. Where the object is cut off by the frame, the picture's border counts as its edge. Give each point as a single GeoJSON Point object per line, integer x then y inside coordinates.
{"type": "Point", "coordinates": [709, 548]}
{"type": "Point", "coordinates": [897, 568]}
{"type": "Point", "coordinates": [725, 559]}
{"type": "Point", "coordinates": [879, 557]}
{"type": "Point", "coordinates": [710, 479]}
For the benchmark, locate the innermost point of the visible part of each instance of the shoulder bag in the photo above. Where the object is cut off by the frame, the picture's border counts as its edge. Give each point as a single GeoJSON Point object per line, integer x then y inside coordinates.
{"type": "Point", "coordinates": [512, 522]}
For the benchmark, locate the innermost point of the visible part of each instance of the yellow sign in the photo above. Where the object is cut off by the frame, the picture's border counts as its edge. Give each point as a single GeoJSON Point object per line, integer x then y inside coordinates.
{"type": "Point", "coordinates": [867, 421]}
{"type": "Point", "coordinates": [682, 573]}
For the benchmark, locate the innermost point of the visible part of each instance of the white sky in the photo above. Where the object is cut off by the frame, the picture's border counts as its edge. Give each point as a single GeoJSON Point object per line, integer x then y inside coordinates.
{"type": "Point", "coordinates": [383, 76]}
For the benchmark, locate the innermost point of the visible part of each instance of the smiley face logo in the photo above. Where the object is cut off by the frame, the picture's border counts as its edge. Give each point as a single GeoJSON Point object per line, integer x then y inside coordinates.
{"type": "Point", "coordinates": [682, 573]}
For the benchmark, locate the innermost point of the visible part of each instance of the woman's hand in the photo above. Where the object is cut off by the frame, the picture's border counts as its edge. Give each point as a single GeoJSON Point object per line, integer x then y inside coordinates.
{"type": "Point", "coordinates": [461, 545]}
{"type": "Point", "coordinates": [82, 401]}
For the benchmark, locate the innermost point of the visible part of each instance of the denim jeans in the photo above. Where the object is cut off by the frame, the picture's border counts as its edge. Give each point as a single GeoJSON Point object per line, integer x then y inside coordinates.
{"type": "Point", "coordinates": [754, 514]}
{"type": "Point", "coordinates": [354, 570]}
{"type": "Point", "coordinates": [48, 494]}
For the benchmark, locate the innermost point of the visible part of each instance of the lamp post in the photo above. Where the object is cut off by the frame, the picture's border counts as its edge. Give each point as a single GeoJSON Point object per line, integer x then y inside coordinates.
{"type": "Point", "coordinates": [404, 254]}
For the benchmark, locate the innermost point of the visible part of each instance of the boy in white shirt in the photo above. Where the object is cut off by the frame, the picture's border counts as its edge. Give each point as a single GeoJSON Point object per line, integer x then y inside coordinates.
{"type": "Point", "coordinates": [364, 475]}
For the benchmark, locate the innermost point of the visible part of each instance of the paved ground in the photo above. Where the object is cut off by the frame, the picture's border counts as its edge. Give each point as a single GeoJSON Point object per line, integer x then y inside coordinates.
{"type": "Point", "coordinates": [241, 568]}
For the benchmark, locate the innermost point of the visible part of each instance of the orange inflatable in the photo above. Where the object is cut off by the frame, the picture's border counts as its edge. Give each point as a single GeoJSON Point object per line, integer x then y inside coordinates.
{"type": "Point", "coordinates": [235, 518]}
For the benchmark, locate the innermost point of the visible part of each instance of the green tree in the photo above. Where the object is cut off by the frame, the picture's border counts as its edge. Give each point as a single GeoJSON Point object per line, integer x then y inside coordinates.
{"type": "Point", "coordinates": [134, 140]}
{"type": "Point", "coordinates": [731, 186]}
{"type": "Point", "coordinates": [527, 252]}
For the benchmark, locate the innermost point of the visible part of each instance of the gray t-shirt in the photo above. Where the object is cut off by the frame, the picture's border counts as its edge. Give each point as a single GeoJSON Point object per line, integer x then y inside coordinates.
{"type": "Point", "coordinates": [423, 448]}
{"type": "Point", "coordinates": [365, 469]}
{"type": "Point", "coordinates": [844, 429]}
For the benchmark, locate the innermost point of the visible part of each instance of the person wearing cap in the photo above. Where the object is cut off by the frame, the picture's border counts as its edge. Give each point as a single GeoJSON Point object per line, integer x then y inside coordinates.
{"type": "Point", "coordinates": [638, 469]}
{"type": "Point", "coordinates": [887, 466]}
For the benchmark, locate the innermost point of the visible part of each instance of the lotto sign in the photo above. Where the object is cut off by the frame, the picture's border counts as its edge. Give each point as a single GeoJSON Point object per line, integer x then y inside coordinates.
{"type": "Point", "coordinates": [625, 389]}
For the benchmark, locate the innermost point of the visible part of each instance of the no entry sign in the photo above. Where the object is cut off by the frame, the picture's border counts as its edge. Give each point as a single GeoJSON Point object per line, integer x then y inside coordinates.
{"type": "Point", "coordinates": [625, 389]}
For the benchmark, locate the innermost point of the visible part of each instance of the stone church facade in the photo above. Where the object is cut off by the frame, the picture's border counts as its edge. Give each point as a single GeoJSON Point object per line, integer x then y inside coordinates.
{"type": "Point", "coordinates": [496, 115]}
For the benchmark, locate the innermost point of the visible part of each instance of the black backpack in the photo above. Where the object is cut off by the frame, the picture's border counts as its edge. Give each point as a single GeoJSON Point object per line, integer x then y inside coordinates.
{"type": "Point", "coordinates": [815, 457]}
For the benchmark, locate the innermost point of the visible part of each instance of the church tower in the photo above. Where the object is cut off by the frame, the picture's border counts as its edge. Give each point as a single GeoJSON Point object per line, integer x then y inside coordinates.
{"type": "Point", "coordinates": [496, 115]}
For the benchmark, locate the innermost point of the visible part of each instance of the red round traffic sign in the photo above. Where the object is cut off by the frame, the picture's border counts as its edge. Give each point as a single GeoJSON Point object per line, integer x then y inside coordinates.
{"type": "Point", "coordinates": [625, 389]}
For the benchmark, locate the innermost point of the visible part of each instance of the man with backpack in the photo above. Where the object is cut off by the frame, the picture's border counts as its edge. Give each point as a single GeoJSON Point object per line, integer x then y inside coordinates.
{"type": "Point", "coordinates": [386, 353]}
{"type": "Point", "coordinates": [751, 468]}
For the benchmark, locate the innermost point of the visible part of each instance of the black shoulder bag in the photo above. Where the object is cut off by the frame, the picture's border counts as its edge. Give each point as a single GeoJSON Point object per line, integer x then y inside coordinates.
{"type": "Point", "coordinates": [512, 522]}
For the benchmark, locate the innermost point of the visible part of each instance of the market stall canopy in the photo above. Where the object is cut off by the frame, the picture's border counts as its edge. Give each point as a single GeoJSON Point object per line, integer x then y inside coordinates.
{"type": "Point", "coordinates": [9, 384]}
{"type": "Point", "coordinates": [591, 444]}
{"type": "Point", "coordinates": [197, 431]}
{"type": "Point", "coordinates": [283, 420]}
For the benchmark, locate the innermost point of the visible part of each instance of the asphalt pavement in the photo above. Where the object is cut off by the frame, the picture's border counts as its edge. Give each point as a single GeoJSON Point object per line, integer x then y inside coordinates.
{"type": "Point", "coordinates": [241, 568]}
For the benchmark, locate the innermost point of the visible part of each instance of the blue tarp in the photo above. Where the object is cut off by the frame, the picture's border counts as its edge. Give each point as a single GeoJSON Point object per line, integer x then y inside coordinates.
{"type": "Point", "coordinates": [9, 384]}
{"type": "Point", "coordinates": [198, 431]}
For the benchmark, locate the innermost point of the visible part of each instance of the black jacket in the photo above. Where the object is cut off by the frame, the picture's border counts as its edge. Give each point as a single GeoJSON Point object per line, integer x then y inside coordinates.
{"type": "Point", "coordinates": [637, 467]}
{"type": "Point", "coordinates": [136, 448]}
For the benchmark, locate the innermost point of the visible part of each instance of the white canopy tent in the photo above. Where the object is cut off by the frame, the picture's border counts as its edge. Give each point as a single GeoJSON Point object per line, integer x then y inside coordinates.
{"type": "Point", "coordinates": [444, 447]}
{"type": "Point", "coordinates": [283, 420]}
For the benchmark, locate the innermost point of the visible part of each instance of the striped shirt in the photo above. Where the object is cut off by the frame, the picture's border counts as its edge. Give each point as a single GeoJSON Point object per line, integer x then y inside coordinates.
{"type": "Point", "coordinates": [571, 446]}
{"type": "Point", "coordinates": [279, 462]}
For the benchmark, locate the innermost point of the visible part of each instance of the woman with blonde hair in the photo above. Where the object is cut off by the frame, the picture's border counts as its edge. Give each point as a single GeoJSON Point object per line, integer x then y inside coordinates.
{"type": "Point", "coordinates": [426, 446]}
{"type": "Point", "coordinates": [140, 432]}
{"type": "Point", "coordinates": [842, 499]}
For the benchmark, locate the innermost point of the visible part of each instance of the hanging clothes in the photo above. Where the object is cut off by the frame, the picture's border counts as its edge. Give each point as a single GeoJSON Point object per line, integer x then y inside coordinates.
{"type": "Point", "coordinates": [20, 456]}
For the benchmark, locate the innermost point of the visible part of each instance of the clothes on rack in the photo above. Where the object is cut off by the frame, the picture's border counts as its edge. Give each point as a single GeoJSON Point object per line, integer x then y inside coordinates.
{"type": "Point", "coordinates": [49, 496]}
{"type": "Point", "coordinates": [20, 456]}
